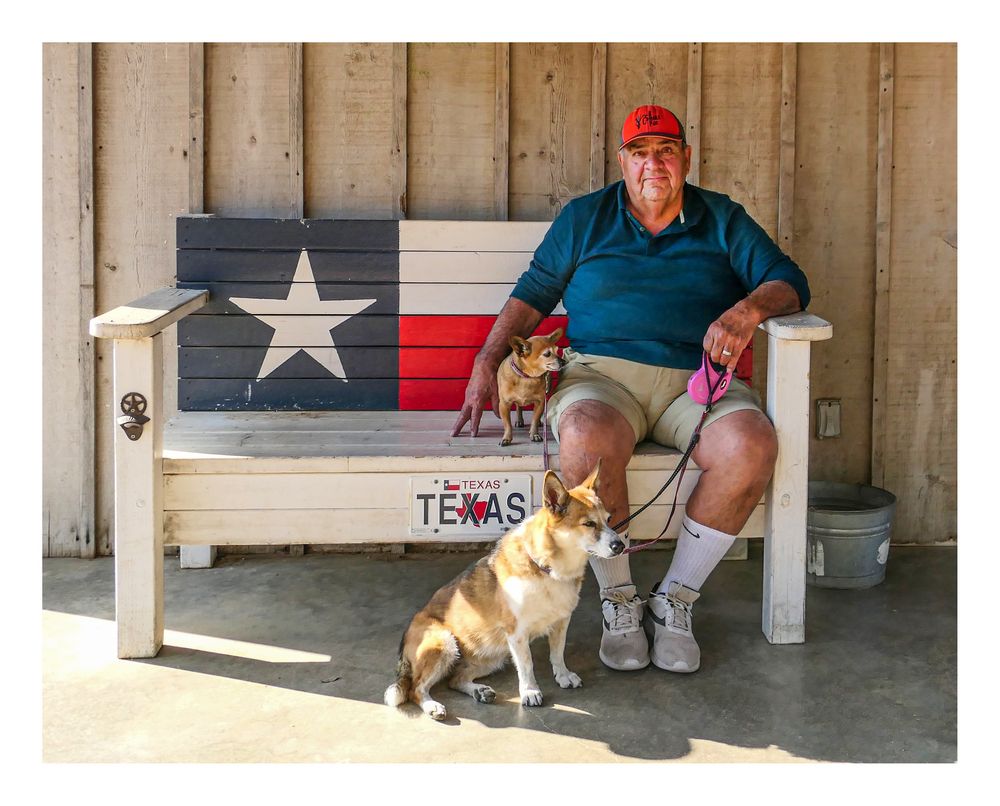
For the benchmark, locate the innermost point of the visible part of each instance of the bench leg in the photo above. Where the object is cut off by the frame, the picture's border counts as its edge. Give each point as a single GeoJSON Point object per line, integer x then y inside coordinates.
{"type": "Point", "coordinates": [784, 601]}
{"type": "Point", "coordinates": [198, 556]}
{"type": "Point", "coordinates": [139, 502]}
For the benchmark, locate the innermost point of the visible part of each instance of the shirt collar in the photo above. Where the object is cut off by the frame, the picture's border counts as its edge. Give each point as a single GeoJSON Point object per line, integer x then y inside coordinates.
{"type": "Point", "coordinates": [692, 210]}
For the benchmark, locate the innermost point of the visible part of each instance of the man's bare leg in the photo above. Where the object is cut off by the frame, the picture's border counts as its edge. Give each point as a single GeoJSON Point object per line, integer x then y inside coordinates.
{"type": "Point", "coordinates": [590, 430]}
{"type": "Point", "coordinates": [736, 455]}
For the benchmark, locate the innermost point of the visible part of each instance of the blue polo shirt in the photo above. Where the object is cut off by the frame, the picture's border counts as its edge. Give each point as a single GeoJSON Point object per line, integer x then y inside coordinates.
{"type": "Point", "coordinates": [651, 298]}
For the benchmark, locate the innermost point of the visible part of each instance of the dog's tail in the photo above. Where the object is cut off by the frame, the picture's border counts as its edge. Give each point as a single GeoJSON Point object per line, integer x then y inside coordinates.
{"type": "Point", "coordinates": [399, 692]}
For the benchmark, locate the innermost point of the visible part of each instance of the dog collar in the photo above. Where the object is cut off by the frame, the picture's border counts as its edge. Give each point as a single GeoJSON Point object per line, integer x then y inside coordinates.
{"type": "Point", "coordinates": [543, 568]}
{"type": "Point", "coordinates": [517, 369]}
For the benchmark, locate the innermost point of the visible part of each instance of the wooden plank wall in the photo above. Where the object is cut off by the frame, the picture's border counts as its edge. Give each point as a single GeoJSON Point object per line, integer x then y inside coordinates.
{"type": "Point", "coordinates": [494, 131]}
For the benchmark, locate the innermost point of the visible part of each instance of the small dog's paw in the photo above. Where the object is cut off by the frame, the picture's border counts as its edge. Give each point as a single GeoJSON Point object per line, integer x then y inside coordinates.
{"type": "Point", "coordinates": [505, 442]}
{"type": "Point", "coordinates": [435, 710]}
{"type": "Point", "coordinates": [484, 694]}
{"type": "Point", "coordinates": [531, 696]}
{"type": "Point", "coordinates": [536, 437]}
{"type": "Point", "coordinates": [568, 679]}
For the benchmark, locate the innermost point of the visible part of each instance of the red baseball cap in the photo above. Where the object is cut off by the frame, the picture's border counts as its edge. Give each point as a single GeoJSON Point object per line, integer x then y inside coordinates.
{"type": "Point", "coordinates": [651, 121]}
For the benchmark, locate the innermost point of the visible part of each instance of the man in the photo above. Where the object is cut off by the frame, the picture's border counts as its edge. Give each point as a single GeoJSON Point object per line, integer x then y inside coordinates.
{"type": "Point", "coordinates": [652, 271]}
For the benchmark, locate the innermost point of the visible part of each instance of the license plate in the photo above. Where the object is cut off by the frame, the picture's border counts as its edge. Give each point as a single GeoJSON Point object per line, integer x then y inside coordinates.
{"type": "Point", "coordinates": [468, 504]}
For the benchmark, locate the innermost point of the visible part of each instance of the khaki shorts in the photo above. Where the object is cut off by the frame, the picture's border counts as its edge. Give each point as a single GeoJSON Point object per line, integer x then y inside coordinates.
{"type": "Point", "coordinates": [653, 399]}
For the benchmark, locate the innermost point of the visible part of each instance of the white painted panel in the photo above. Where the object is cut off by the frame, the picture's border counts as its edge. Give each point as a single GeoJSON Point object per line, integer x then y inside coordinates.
{"type": "Point", "coordinates": [471, 236]}
{"type": "Point", "coordinates": [484, 299]}
{"type": "Point", "coordinates": [468, 267]}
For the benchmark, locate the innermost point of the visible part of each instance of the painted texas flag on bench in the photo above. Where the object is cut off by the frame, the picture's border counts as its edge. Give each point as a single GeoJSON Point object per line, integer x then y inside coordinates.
{"type": "Point", "coordinates": [320, 314]}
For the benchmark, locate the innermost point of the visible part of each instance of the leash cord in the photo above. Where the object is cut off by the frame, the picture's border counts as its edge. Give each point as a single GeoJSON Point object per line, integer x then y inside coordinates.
{"type": "Point", "coordinates": [681, 466]}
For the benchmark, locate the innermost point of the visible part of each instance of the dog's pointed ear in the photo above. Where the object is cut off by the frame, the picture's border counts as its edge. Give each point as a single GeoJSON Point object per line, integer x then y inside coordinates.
{"type": "Point", "coordinates": [555, 335]}
{"type": "Point", "coordinates": [521, 347]}
{"type": "Point", "coordinates": [591, 482]}
{"type": "Point", "coordinates": [554, 494]}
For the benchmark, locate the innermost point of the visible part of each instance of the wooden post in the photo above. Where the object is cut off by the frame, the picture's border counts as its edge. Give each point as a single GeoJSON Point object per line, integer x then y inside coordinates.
{"type": "Point", "coordinates": [86, 531]}
{"type": "Point", "coordinates": [139, 501]}
{"type": "Point", "coordinates": [883, 239]}
{"type": "Point", "coordinates": [786, 148]}
{"type": "Point", "coordinates": [784, 601]}
{"type": "Point", "coordinates": [598, 105]}
{"type": "Point", "coordinates": [693, 122]}
{"type": "Point", "coordinates": [501, 134]}
{"type": "Point", "coordinates": [398, 156]}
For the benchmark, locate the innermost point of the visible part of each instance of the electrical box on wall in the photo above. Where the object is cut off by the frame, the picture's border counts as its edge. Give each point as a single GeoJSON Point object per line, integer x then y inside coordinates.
{"type": "Point", "coordinates": [827, 417]}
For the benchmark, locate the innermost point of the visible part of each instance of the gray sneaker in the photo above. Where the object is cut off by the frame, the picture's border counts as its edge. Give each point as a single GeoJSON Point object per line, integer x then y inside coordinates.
{"type": "Point", "coordinates": [668, 625]}
{"type": "Point", "coordinates": [623, 645]}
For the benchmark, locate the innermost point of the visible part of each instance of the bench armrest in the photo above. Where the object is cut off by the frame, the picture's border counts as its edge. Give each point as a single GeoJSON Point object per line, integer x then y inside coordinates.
{"type": "Point", "coordinates": [801, 326]}
{"type": "Point", "coordinates": [148, 315]}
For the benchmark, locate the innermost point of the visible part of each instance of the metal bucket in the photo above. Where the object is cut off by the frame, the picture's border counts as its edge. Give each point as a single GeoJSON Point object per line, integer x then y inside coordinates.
{"type": "Point", "coordinates": [848, 529]}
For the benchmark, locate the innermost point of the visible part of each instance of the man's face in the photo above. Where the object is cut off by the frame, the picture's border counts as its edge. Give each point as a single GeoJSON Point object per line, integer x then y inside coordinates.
{"type": "Point", "coordinates": [654, 168]}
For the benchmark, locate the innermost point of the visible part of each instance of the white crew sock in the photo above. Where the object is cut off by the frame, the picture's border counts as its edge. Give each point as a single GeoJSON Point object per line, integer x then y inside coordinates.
{"type": "Point", "coordinates": [612, 572]}
{"type": "Point", "coordinates": [699, 550]}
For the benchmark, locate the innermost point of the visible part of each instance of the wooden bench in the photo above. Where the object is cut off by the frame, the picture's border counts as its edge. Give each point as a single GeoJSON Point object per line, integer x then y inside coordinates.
{"type": "Point", "coordinates": [321, 366]}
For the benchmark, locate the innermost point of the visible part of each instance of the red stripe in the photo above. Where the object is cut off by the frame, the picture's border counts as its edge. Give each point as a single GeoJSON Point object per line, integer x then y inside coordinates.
{"type": "Point", "coordinates": [435, 395]}
{"type": "Point", "coordinates": [436, 355]}
{"type": "Point", "coordinates": [744, 366]}
{"type": "Point", "coordinates": [460, 331]}
{"type": "Point", "coordinates": [436, 362]}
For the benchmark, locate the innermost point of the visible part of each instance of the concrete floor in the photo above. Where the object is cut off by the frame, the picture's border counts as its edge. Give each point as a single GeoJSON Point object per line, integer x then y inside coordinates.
{"type": "Point", "coordinates": [281, 659]}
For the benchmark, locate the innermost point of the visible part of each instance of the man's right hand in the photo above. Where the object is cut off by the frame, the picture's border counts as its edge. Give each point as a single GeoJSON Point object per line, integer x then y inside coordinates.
{"type": "Point", "coordinates": [480, 395]}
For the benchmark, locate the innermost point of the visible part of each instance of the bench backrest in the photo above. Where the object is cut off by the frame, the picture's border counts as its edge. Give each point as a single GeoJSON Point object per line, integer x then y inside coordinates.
{"type": "Point", "coordinates": [342, 314]}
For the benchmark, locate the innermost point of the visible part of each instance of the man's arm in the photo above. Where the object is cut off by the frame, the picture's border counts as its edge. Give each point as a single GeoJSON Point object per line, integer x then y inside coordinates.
{"type": "Point", "coordinates": [517, 318]}
{"type": "Point", "coordinates": [734, 329]}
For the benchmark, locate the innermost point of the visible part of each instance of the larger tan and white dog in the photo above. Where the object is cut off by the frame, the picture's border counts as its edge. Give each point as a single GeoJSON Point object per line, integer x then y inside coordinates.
{"type": "Point", "coordinates": [528, 586]}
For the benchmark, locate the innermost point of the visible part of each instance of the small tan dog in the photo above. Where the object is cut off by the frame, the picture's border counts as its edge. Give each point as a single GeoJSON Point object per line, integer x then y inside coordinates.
{"type": "Point", "coordinates": [528, 586]}
{"type": "Point", "coordinates": [521, 380]}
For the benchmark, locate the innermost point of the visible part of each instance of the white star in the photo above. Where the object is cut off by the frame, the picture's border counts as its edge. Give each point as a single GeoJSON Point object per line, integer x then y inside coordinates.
{"type": "Point", "coordinates": [302, 318]}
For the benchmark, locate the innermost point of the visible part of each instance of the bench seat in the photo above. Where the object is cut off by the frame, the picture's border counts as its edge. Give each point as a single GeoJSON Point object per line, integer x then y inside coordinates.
{"type": "Point", "coordinates": [273, 478]}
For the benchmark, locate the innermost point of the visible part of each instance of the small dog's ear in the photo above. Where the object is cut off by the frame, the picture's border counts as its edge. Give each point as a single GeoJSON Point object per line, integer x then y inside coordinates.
{"type": "Point", "coordinates": [591, 481]}
{"type": "Point", "coordinates": [555, 335]}
{"type": "Point", "coordinates": [521, 347]}
{"type": "Point", "coordinates": [554, 494]}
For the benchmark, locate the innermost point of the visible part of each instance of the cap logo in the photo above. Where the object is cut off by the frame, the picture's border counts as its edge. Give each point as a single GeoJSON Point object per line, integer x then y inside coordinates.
{"type": "Point", "coordinates": [649, 119]}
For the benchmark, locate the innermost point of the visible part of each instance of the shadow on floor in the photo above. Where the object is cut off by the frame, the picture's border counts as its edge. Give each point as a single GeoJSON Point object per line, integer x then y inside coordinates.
{"type": "Point", "coordinates": [875, 681]}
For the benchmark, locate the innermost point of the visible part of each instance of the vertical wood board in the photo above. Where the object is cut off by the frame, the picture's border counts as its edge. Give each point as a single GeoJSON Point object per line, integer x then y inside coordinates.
{"type": "Point", "coordinates": [501, 139]}
{"type": "Point", "coordinates": [451, 131]}
{"type": "Point", "coordinates": [65, 472]}
{"type": "Point", "coordinates": [248, 129]}
{"type": "Point", "coordinates": [883, 252]}
{"type": "Point", "coordinates": [348, 130]}
{"type": "Point", "coordinates": [921, 404]}
{"type": "Point", "coordinates": [550, 127]}
{"type": "Point", "coordinates": [834, 216]}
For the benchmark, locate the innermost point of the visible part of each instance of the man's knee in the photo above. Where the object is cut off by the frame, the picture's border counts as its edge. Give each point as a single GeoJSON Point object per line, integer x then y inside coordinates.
{"type": "Point", "coordinates": [744, 438]}
{"type": "Point", "coordinates": [595, 427]}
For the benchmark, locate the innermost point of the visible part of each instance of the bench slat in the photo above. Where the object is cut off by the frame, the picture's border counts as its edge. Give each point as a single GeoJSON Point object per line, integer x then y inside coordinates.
{"type": "Point", "coordinates": [347, 490]}
{"type": "Point", "coordinates": [471, 236]}
{"type": "Point", "coordinates": [318, 526]}
{"type": "Point", "coordinates": [247, 266]}
{"type": "Point", "coordinates": [211, 232]}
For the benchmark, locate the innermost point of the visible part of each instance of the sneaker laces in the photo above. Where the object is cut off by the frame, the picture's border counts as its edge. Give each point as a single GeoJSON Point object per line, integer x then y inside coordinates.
{"type": "Point", "coordinates": [624, 612]}
{"type": "Point", "coordinates": [680, 614]}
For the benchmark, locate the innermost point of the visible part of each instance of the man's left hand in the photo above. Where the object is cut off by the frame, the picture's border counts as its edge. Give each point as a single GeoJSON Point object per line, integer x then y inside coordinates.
{"type": "Point", "coordinates": [729, 335]}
